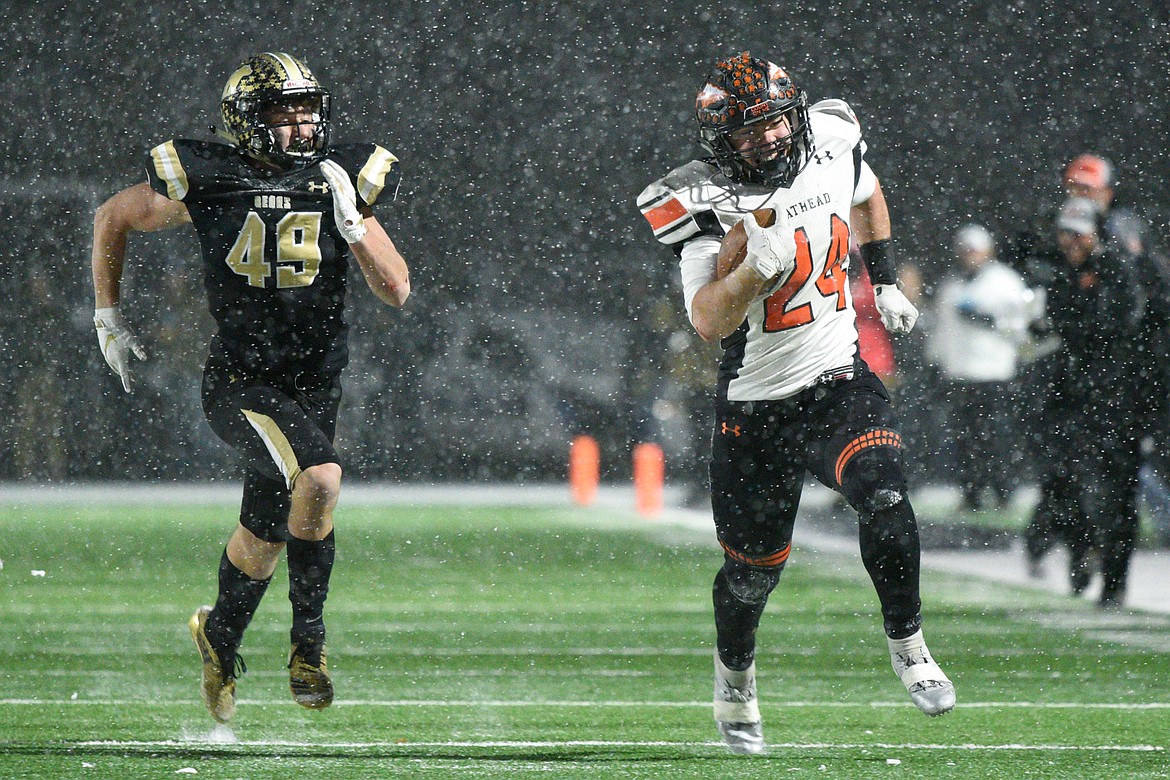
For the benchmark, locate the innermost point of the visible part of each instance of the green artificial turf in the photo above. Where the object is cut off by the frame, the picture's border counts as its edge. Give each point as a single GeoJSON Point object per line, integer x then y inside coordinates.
{"type": "Point", "coordinates": [486, 642]}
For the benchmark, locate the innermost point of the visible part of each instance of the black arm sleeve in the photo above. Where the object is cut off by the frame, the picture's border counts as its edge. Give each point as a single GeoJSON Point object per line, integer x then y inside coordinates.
{"type": "Point", "coordinates": [878, 262]}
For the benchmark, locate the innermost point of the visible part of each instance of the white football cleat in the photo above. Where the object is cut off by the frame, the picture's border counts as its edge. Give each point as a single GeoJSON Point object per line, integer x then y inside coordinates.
{"type": "Point", "coordinates": [929, 689]}
{"type": "Point", "coordinates": [737, 713]}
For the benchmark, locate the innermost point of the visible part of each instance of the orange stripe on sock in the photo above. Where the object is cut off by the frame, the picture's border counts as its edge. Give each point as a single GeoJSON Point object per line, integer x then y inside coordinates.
{"type": "Point", "coordinates": [879, 437]}
{"type": "Point", "coordinates": [775, 559]}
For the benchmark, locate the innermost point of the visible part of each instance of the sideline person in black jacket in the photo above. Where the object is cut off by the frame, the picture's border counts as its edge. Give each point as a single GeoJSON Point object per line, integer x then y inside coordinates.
{"type": "Point", "coordinates": [1096, 305]}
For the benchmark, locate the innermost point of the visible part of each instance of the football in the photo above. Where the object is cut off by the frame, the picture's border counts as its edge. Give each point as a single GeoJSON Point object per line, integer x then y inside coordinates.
{"type": "Point", "coordinates": [733, 249]}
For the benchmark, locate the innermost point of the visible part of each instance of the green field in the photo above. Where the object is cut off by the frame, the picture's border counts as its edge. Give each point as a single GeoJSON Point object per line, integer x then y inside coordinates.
{"type": "Point", "coordinates": [540, 642]}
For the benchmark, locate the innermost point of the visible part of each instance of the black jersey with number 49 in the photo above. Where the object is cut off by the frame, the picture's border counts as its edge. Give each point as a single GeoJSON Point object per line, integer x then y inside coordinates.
{"type": "Point", "coordinates": [274, 263]}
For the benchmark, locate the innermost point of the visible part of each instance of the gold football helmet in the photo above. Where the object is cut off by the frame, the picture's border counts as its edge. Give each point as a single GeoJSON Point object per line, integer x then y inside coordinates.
{"type": "Point", "coordinates": [267, 80]}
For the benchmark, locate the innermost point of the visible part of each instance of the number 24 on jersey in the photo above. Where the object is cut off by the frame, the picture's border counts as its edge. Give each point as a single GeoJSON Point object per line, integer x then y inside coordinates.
{"type": "Point", "coordinates": [831, 282]}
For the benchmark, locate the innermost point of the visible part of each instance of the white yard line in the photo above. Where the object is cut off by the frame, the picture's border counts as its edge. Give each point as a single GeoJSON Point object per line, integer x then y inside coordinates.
{"type": "Point", "coordinates": [472, 703]}
{"type": "Point", "coordinates": [406, 746]}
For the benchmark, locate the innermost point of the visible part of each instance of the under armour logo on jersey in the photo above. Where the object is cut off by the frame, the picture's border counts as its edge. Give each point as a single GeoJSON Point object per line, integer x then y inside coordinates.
{"type": "Point", "coordinates": [828, 157]}
{"type": "Point", "coordinates": [732, 429]}
{"type": "Point", "coordinates": [321, 188]}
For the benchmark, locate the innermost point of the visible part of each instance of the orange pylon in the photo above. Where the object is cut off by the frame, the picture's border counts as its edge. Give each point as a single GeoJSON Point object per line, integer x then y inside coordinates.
{"type": "Point", "coordinates": [584, 469]}
{"type": "Point", "coordinates": [649, 473]}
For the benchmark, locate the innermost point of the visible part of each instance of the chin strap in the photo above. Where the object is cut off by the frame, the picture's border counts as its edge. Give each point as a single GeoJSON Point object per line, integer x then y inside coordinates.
{"type": "Point", "coordinates": [224, 134]}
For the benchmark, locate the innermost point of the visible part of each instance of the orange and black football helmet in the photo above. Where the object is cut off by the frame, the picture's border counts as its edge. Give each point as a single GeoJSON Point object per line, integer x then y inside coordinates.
{"type": "Point", "coordinates": [268, 79]}
{"type": "Point", "coordinates": [743, 91]}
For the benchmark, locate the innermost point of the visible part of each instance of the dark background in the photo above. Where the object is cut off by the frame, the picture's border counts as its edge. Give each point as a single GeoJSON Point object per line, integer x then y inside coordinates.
{"type": "Point", "coordinates": [542, 306]}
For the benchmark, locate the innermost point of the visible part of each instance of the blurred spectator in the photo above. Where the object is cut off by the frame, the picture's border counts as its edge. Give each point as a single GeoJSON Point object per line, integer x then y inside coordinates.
{"type": "Point", "coordinates": [982, 315]}
{"type": "Point", "coordinates": [873, 340]}
{"type": "Point", "coordinates": [1094, 177]}
{"type": "Point", "coordinates": [1089, 489]}
{"type": "Point", "coordinates": [1154, 492]}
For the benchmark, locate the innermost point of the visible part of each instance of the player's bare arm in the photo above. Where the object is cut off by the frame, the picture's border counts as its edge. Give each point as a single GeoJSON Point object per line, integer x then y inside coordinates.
{"type": "Point", "coordinates": [768, 253]}
{"type": "Point", "coordinates": [382, 265]}
{"type": "Point", "coordinates": [136, 208]}
{"type": "Point", "coordinates": [870, 222]}
{"type": "Point", "coordinates": [870, 219]}
{"type": "Point", "coordinates": [721, 305]}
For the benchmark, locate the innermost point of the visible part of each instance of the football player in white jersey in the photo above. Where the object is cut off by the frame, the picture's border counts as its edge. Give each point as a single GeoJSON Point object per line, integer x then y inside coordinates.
{"type": "Point", "coordinates": [793, 393]}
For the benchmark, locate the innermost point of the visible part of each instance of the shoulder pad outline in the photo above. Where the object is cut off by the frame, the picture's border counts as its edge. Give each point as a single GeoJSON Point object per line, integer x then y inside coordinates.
{"type": "Point", "coordinates": [372, 178]}
{"type": "Point", "coordinates": [668, 209]}
{"type": "Point", "coordinates": [168, 169]}
{"type": "Point", "coordinates": [837, 108]}
{"type": "Point", "coordinates": [178, 167]}
{"type": "Point", "coordinates": [372, 168]}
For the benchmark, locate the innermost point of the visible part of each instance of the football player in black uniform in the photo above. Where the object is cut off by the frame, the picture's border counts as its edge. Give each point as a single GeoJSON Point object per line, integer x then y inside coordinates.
{"type": "Point", "coordinates": [276, 211]}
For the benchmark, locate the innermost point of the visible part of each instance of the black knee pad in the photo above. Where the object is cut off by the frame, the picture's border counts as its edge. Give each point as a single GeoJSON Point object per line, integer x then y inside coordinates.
{"type": "Point", "coordinates": [264, 509]}
{"type": "Point", "coordinates": [750, 584]}
{"type": "Point", "coordinates": [873, 480]}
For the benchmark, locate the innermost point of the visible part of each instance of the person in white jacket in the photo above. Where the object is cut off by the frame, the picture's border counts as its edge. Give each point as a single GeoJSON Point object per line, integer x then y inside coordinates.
{"type": "Point", "coordinates": [982, 313]}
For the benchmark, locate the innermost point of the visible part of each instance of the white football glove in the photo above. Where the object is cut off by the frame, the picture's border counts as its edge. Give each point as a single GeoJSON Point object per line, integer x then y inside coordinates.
{"type": "Point", "coordinates": [898, 314]}
{"type": "Point", "coordinates": [349, 220]}
{"type": "Point", "coordinates": [771, 250]}
{"type": "Point", "coordinates": [117, 342]}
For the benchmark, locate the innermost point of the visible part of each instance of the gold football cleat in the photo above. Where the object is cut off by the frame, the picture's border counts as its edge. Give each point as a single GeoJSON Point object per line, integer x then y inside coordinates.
{"type": "Point", "coordinates": [218, 688]}
{"type": "Point", "coordinates": [308, 677]}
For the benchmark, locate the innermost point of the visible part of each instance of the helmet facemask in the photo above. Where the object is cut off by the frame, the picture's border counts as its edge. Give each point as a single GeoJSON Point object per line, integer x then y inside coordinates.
{"type": "Point", "coordinates": [775, 163]}
{"type": "Point", "coordinates": [741, 98]}
{"type": "Point", "coordinates": [300, 150]}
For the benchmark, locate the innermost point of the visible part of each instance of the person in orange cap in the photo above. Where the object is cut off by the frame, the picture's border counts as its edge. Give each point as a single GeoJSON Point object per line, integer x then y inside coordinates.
{"type": "Point", "coordinates": [1093, 177]}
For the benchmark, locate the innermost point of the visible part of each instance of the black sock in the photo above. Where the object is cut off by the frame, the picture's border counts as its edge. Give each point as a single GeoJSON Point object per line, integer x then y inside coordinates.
{"type": "Point", "coordinates": [890, 552]}
{"type": "Point", "coordinates": [735, 625]}
{"type": "Point", "coordinates": [239, 595]}
{"type": "Point", "coordinates": [309, 566]}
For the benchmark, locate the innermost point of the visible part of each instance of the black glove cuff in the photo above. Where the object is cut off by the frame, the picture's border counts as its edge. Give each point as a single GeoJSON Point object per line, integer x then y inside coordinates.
{"type": "Point", "coordinates": [878, 262]}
